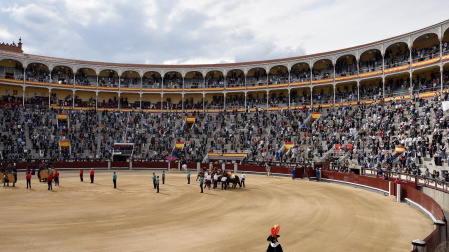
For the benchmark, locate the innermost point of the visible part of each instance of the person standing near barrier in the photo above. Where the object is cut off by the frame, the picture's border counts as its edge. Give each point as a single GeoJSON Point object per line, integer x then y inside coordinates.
{"type": "Point", "coordinates": [56, 178]}
{"type": "Point", "coordinates": [268, 170]}
{"type": "Point", "coordinates": [157, 184]}
{"type": "Point", "coordinates": [163, 177]}
{"type": "Point", "coordinates": [154, 180]}
{"type": "Point", "coordinates": [92, 174]}
{"type": "Point", "coordinates": [14, 171]}
{"type": "Point", "coordinates": [317, 175]}
{"type": "Point", "coordinates": [215, 180]}
{"type": "Point", "coordinates": [28, 177]}
{"type": "Point", "coordinates": [293, 173]}
{"type": "Point", "coordinates": [49, 181]}
{"type": "Point", "coordinates": [81, 174]}
{"type": "Point", "coordinates": [243, 179]}
{"type": "Point", "coordinates": [201, 183]}
{"type": "Point", "coordinates": [188, 178]}
{"type": "Point", "coordinates": [114, 180]}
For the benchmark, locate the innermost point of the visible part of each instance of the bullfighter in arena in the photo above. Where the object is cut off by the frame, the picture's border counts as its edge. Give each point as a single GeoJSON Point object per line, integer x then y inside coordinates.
{"type": "Point", "coordinates": [274, 245]}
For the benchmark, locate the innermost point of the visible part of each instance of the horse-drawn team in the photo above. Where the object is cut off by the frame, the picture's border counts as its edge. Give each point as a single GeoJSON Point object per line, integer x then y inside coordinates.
{"type": "Point", "coordinates": [214, 175]}
{"type": "Point", "coordinates": [45, 173]}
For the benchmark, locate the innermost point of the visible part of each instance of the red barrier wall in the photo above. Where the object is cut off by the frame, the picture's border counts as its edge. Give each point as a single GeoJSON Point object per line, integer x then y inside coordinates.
{"type": "Point", "coordinates": [361, 180]}
{"type": "Point", "coordinates": [205, 166]}
{"type": "Point", "coordinates": [424, 200]}
{"type": "Point", "coordinates": [77, 165]}
{"type": "Point", "coordinates": [191, 166]}
{"type": "Point", "coordinates": [251, 168]}
{"type": "Point", "coordinates": [229, 167]}
{"type": "Point", "coordinates": [160, 165]}
{"type": "Point", "coordinates": [119, 164]}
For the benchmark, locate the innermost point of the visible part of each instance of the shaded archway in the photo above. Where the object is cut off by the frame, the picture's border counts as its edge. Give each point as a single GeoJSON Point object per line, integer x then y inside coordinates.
{"type": "Point", "coordinates": [108, 78]}
{"type": "Point", "coordinates": [397, 85]}
{"type": "Point", "coordinates": [346, 92]}
{"type": "Point", "coordinates": [86, 77]}
{"type": "Point", "coordinates": [173, 80]}
{"type": "Point", "coordinates": [11, 95]}
{"type": "Point", "coordinates": [278, 75]}
{"type": "Point", "coordinates": [373, 89]}
{"type": "Point", "coordinates": [323, 94]}
{"type": "Point", "coordinates": [130, 79]}
{"type": "Point", "coordinates": [323, 69]}
{"type": "Point", "coordinates": [346, 65]}
{"type": "Point", "coordinates": [38, 72]}
{"type": "Point", "coordinates": [214, 79]}
{"type": "Point", "coordinates": [151, 101]}
{"type": "Point", "coordinates": [107, 100]}
{"type": "Point", "coordinates": [396, 55]}
{"type": "Point", "coordinates": [235, 100]}
{"type": "Point", "coordinates": [256, 77]}
{"type": "Point", "coordinates": [256, 99]}
{"type": "Point", "coordinates": [36, 97]}
{"type": "Point", "coordinates": [370, 61]}
{"type": "Point", "coordinates": [129, 101]}
{"type": "Point", "coordinates": [235, 78]}
{"type": "Point", "coordinates": [426, 47]}
{"type": "Point", "coordinates": [62, 75]}
{"type": "Point", "coordinates": [11, 69]}
{"type": "Point", "coordinates": [300, 97]}
{"type": "Point", "coordinates": [300, 72]}
{"type": "Point", "coordinates": [214, 101]}
{"type": "Point", "coordinates": [152, 79]}
{"type": "Point", "coordinates": [278, 98]}
{"type": "Point", "coordinates": [426, 80]}
{"type": "Point", "coordinates": [85, 100]}
{"type": "Point", "coordinates": [194, 80]}
{"type": "Point", "coordinates": [61, 98]}
{"type": "Point", "coordinates": [193, 101]}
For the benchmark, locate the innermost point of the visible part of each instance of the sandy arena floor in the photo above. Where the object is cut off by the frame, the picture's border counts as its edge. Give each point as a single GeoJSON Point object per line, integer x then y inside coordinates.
{"type": "Point", "coordinates": [94, 217]}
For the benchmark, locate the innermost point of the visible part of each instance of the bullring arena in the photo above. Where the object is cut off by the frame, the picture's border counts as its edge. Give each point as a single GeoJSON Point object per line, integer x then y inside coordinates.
{"type": "Point", "coordinates": [313, 216]}
{"type": "Point", "coordinates": [371, 120]}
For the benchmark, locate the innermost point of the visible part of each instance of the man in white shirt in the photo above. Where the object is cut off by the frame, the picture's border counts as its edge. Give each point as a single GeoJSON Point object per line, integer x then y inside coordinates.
{"type": "Point", "coordinates": [215, 180]}
{"type": "Point", "coordinates": [243, 179]}
{"type": "Point", "coordinates": [223, 182]}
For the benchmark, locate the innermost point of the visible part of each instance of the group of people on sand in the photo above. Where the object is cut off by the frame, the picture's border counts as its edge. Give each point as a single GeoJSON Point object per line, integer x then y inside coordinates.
{"type": "Point", "coordinates": [217, 175]}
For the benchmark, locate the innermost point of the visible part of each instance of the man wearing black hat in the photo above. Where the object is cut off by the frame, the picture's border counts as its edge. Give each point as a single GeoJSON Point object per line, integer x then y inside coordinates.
{"type": "Point", "coordinates": [274, 245]}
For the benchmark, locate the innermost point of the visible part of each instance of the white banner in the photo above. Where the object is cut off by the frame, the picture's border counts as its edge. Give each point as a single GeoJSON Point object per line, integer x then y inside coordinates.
{"type": "Point", "coordinates": [445, 105]}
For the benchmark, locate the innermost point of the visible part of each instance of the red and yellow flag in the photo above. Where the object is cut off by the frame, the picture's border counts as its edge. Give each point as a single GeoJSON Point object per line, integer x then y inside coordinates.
{"type": "Point", "coordinates": [179, 145]}
{"type": "Point", "coordinates": [400, 149]}
{"type": "Point", "coordinates": [315, 115]}
{"type": "Point", "coordinates": [62, 117]}
{"type": "Point", "coordinates": [288, 146]}
{"type": "Point", "coordinates": [65, 144]}
{"type": "Point", "coordinates": [191, 119]}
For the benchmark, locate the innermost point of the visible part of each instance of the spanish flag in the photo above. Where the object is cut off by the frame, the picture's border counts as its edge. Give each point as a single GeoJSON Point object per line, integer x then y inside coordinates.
{"type": "Point", "coordinates": [179, 145]}
{"type": "Point", "coordinates": [62, 117]}
{"type": "Point", "coordinates": [191, 119]}
{"type": "Point", "coordinates": [65, 144]}
{"type": "Point", "coordinates": [288, 146]}
{"type": "Point", "coordinates": [400, 149]}
{"type": "Point", "coordinates": [102, 125]}
{"type": "Point", "coordinates": [315, 115]}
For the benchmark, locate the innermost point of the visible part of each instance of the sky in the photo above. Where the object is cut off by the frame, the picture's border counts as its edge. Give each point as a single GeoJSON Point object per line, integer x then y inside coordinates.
{"type": "Point", "coordinates": [206, 31]}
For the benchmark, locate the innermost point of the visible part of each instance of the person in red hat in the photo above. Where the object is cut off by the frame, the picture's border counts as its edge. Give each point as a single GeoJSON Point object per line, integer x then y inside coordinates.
{"type": "Point", "coordinates": [274, 245]}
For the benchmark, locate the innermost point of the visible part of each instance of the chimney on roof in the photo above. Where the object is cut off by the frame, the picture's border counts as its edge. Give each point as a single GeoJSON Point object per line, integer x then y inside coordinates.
{"type": "Point", "coordinates": [20, 44]}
